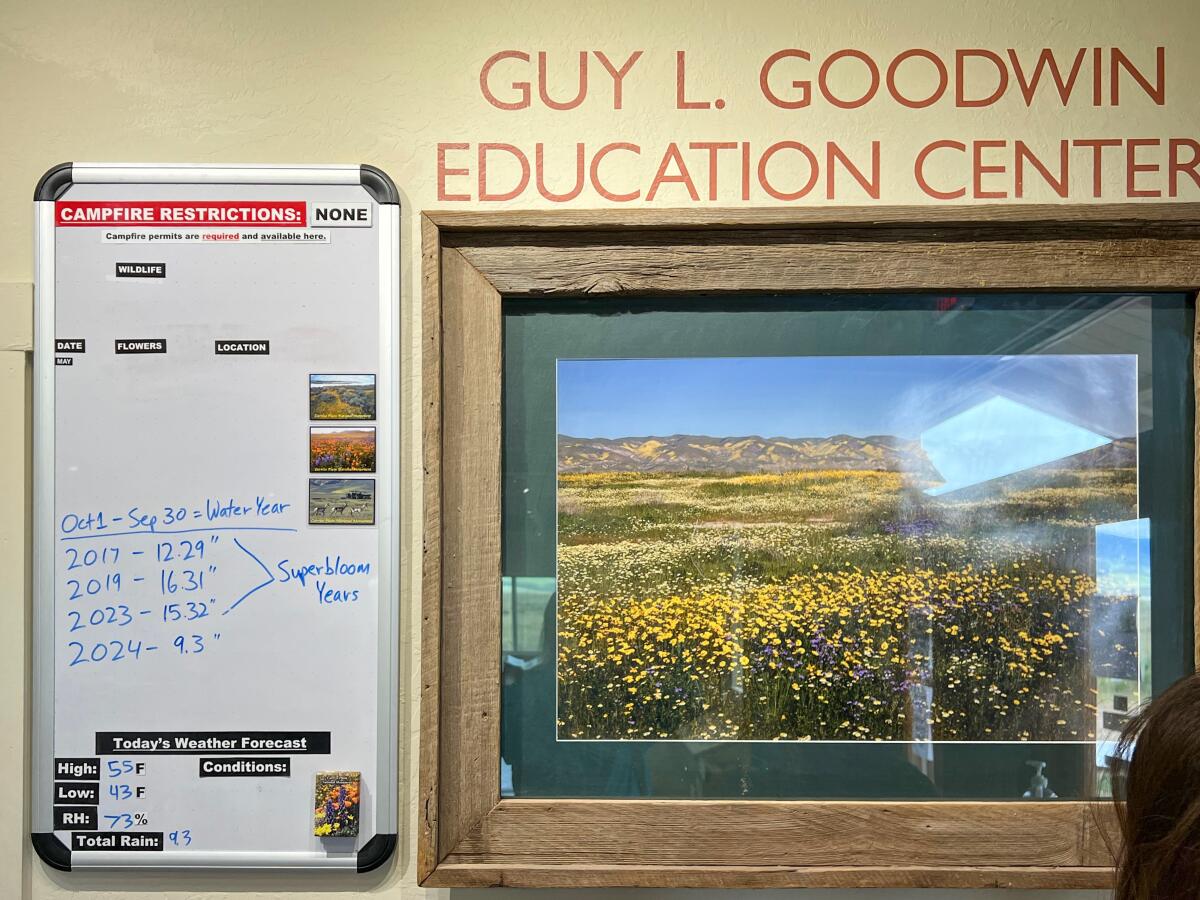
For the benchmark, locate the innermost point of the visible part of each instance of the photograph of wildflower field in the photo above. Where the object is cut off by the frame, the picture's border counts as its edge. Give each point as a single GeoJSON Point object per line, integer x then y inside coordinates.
{"type": "Point", "coordinates": [841, 548]}
{"type": "Point", "coordinates": [341, 449]}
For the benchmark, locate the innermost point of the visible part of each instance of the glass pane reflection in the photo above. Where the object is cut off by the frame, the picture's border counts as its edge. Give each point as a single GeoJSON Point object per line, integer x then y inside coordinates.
{"type": "Point", "coordinates": [803, 551]}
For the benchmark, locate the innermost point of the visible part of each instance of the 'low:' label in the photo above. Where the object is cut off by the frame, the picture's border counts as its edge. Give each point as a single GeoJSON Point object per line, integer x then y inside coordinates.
{"type": "Point", "coordinates": [77, 792]}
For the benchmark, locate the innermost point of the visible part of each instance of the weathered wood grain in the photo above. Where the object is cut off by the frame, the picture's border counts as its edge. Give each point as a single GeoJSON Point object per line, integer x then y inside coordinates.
{"type": "Point", "coordinates": [718, 262]}
{"type": "Point", "coordinates": [431, 545]}
{"type": "Point", "coordinates": [765, 833]}
{"type": "Point", "coordinates": [728, 877]}
{"type": "Point", "coordinates": [1135, 214]}
{"type": "Point", "coordinates": [469, 741]}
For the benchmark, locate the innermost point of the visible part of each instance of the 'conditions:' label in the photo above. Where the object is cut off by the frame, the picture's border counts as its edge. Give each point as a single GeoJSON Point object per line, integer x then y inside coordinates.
{"type": "Point", "coordinates": [141, 270]}
{"type": "Point", "coordinates": [254, 348]}
{"type": "Point", "coordinates": [245, 767]}
{"type": "Point", "coordinates": [145, 345]}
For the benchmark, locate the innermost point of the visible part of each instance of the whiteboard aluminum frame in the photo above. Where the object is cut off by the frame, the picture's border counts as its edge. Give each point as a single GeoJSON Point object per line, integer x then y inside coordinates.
{"type": "Point", "coordinates": [57, 181]}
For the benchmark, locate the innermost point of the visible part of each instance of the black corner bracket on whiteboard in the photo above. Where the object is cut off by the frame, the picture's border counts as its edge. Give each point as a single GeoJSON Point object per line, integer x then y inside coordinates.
{"type": "Point", "coordinates": [55, 854]}
{"type": "Point", "coordinates": [51, 185]}
{"type": "Point", "coordinates": [376, 852]}
{"type": "Point", "coordinates": [379, 185]}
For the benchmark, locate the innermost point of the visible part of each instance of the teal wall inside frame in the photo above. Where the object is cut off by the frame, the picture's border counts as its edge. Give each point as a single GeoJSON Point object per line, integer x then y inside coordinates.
{"type": "Point", "coordinates": [1157, 328]}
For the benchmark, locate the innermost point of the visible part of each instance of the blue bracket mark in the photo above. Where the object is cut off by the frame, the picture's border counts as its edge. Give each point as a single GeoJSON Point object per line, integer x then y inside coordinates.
{"type": "Point", "coordinates": [270, 578]}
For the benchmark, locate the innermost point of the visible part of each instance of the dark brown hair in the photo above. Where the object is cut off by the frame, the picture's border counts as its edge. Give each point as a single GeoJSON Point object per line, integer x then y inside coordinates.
{"type": "Point", "coordinates": [1159, 857]}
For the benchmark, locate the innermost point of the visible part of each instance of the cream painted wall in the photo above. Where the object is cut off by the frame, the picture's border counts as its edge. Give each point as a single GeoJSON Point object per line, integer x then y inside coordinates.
{"type": "Point", "coordinates": [385, 82]}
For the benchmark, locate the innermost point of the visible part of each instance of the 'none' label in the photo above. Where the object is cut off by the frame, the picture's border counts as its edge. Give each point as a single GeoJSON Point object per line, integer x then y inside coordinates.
{"type": "Point", "coordinates": [339, 215]}
{"type": "Point", "coordinates": [141, 270]}
{"type": "Point", "coordinates": [141, 345]}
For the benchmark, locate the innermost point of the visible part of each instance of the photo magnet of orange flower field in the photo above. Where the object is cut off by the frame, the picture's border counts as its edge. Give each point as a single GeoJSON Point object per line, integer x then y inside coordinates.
{"type": "Point", "coordinates": [341, 449]}
{"type": "Point", "coordinates": [335, 804]}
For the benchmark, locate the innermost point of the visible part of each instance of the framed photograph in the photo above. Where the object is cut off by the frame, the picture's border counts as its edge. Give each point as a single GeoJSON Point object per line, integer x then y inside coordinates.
{"type": "Point", "coordinates": [849, 538]}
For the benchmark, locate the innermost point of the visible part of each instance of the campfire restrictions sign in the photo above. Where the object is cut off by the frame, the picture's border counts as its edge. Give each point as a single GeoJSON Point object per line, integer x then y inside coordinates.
{"type": "Point", "coordinates": [216, 506]}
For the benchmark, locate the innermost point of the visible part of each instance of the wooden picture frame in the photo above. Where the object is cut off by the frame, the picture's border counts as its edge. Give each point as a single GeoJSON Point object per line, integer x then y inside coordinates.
{"type": "Point", "coordinates": [469, 836]}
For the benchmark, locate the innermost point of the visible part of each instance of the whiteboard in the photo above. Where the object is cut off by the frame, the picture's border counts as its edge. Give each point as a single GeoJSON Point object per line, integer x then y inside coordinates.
{"type": "Point", "coordinates": [216, 507]}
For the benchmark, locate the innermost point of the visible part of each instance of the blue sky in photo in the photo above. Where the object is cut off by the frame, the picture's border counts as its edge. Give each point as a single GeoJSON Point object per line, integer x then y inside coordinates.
{"type": "Point", "coordinates": [366, 380]}
{"type": "Point", "coordinates": [819, 396]}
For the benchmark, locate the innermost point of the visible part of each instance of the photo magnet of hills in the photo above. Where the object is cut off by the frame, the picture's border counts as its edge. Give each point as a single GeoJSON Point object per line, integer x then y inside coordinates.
{"type": "Point", "coordinates": [845, 549]}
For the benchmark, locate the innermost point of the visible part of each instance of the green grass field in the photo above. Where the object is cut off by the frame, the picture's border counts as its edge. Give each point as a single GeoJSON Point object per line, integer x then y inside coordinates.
{"type": "Point", "coordinates": [840, 604]}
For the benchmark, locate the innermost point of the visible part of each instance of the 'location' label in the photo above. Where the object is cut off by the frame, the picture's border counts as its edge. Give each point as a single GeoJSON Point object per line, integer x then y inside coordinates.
{"type": "Point", "coordinates": [252, 348]}
{"type": "Point", "coordinates": [141, 345]}
{"type": "Point", "coordinates": [141, 270]}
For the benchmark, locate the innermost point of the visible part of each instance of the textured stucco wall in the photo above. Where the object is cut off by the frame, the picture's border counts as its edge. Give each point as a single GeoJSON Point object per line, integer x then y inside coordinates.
{"type": "Point", "coordinates": [382, 82]}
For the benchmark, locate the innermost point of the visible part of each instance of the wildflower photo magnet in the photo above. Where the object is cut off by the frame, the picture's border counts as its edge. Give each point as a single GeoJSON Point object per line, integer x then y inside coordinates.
{"type": "Point", "coordinates": [335, 804]}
